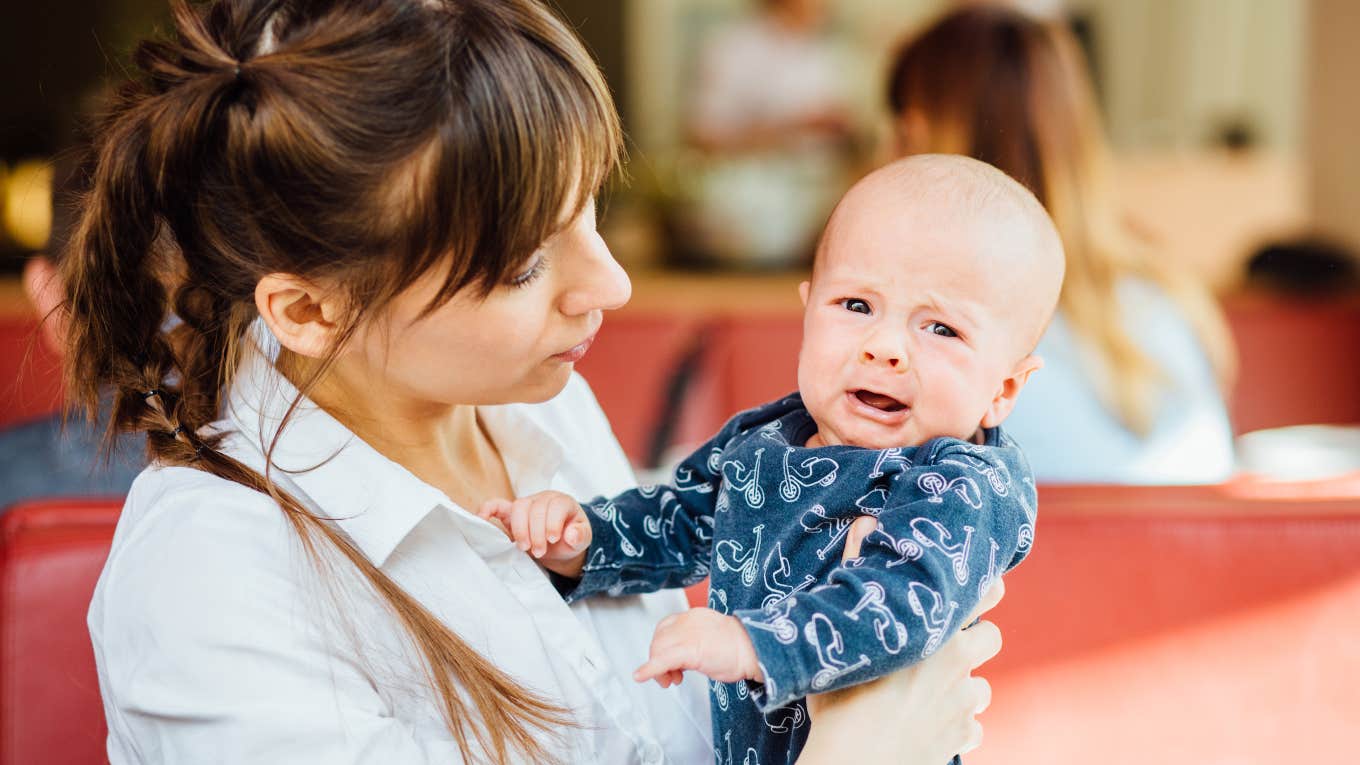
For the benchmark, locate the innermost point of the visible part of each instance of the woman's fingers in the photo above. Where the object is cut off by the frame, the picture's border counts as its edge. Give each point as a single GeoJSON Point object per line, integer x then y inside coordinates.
{"type": "Point", "coordinates": [982, 694]}
{"type": "Point", "coordinates": [979, 643]}
{"type": "Point", "coordinates": [988, 601]}
{"type": "Point", "coordinates": [972, 736]}
{"type": "Point", "coordinates": [861, 528]}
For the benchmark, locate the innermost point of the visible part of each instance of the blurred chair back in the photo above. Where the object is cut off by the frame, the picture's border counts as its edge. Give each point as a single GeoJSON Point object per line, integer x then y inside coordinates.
{"type": "Point", "coordinates": [51, 553]}
{"type": "Point", "coordinates": [630, 366]}
{"type": "Point", "coordinates": [30, 374]}
{"type": "Point", "coordinates": [1181, 625]}
{"type": "Point", "coordinates": [1299, 362]}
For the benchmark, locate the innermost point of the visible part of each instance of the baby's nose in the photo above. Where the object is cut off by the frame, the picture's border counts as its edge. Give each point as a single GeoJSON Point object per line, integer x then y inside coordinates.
{"type": "Point", "coordinates": [891, 359]}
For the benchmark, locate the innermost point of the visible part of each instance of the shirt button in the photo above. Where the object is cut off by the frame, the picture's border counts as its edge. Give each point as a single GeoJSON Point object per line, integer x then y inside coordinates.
{"type": "Point", "coordinates": [651, 753]}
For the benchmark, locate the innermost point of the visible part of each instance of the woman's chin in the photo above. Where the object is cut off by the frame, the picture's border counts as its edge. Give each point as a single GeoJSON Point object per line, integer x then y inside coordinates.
{"type": "Point", "coordinates": [544, 386]}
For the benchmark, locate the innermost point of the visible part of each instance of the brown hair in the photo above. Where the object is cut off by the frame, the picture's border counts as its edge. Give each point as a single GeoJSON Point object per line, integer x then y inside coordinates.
{"type": "Point", "coordinates": [360, 142]}
{"type": "Point", "coordinates": [1012, 91]}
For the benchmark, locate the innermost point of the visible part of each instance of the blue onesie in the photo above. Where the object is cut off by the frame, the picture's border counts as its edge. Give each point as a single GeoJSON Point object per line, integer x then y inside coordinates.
{"type": "Point", "coordinates": [769, 517]}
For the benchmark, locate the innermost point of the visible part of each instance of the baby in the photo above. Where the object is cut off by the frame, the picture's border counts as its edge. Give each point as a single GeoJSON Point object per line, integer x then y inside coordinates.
{"type": "Point", "coordinates": [933, 282]}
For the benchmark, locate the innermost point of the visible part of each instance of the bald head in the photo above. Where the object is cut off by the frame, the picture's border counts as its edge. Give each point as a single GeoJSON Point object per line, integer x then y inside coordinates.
{"type": "Point", "coordinates": [1002, 230]}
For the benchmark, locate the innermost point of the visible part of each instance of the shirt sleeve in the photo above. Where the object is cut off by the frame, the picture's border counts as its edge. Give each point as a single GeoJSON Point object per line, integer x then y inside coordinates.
{"type": "Point", "coordinates": [656, 537]}
{"type": "Point", "coordinates": [952, 525]}
{"type": "Point", "coordinates": [206, 647]}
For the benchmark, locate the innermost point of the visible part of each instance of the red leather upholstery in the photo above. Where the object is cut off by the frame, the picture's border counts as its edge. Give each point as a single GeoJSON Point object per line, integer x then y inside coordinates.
{"type": "Point", "coordinates": [628, 367]}
{"type": "Point", "coordinates": [51, 553]}
{"type": "Point", "coordinates": [30, 374]}
{"type": "Point", "coordinates": [757, 359]}
{"type": "Point", "coordinates": [1203, 625]}
{"type": "Point", "coordinates": [1300, 362]}
{"type": "Point", "coordinates": [1151, 624]}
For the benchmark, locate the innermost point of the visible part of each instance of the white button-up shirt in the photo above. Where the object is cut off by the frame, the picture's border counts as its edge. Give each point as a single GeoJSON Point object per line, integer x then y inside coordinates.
{"type": "Point", "coordinates": [219, 639]}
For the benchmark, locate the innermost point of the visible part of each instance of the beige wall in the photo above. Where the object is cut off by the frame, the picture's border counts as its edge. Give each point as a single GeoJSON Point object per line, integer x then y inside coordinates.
{"type": "Point", "coordinates": [1334, 118]}
{"type": "Point", "coordinates": [1173, 69]}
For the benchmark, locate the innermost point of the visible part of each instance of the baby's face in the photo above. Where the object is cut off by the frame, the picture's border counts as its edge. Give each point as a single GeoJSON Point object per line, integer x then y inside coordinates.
{"type": "Point", "coordinates": [915, 326]}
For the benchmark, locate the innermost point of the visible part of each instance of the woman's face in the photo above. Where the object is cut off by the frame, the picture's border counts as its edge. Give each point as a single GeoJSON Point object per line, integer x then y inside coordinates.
{"type": "Point", "coordinates": [518, 344]}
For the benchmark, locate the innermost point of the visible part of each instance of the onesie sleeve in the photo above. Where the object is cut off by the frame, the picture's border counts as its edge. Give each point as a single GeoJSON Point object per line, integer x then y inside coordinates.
{"type": "Point", "coordinates": [951, 525]}
{"type": "Point", "coordinates": [656, 537]}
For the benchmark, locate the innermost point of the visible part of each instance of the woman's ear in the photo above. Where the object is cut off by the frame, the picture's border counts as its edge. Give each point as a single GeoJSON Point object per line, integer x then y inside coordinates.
{"type": "Point", "coordinates": [43, 284]}
{"type": "Point", "coordinates": [303, 315]}
{"type": "Point", "coordinates": [1006, 396]}
{"type": "Point", "coordinates": [803, 289]}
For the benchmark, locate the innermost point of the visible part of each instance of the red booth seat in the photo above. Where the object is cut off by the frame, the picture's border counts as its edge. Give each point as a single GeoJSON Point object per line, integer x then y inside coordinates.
{"type": "Point", "coordinates": [1151, 624]}
{"type": "Point", "coordinates": [1181, 625]}
{"type": "Point", "coordinates": [51, 553]}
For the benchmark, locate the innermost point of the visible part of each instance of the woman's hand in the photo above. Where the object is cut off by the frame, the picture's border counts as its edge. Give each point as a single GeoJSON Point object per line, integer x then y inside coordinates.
{"type": "Point", "coordinates": [549, 525]}
{"type": "Point", "coordinates": [920, 715]}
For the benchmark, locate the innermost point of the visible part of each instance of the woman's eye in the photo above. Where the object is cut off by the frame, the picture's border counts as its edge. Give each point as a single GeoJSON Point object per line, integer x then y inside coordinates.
{"type": "Point", "coordinates": [943, 330]}
{"type": "Point", "coordinates": [856, 305]}
{"type": "Point", "coordinates": [535, 270]}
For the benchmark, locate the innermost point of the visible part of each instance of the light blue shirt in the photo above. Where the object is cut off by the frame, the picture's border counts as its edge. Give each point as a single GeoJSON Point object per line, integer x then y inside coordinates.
{"type": "Point", "coordinates": [39, 459]}
{"type": "Point", "coordinates": [1068, 434]}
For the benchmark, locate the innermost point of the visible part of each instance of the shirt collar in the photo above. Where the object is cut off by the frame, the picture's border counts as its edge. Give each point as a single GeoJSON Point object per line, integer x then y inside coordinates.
{"type": "Point", "coordinates": [373, 500]}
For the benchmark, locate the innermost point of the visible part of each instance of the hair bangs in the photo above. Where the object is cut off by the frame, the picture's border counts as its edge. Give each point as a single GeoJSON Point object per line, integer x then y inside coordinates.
{"type": "Point", "coordinates": [531, 135]}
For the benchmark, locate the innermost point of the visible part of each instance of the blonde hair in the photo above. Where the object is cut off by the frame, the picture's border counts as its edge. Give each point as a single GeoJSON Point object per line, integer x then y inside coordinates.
{"type": "Point", "coordinates": [1013, 91]}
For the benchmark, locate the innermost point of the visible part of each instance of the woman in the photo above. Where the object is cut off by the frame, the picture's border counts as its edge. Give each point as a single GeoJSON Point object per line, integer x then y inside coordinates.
{"type": "Point", "coordinates": [1138, 358]}
{"type": "Point", "coordinates": [373, 222]}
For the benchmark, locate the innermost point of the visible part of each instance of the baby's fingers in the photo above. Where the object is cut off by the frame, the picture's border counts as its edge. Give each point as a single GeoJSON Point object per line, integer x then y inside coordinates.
{"type": "Point", "coordinates": [494, 508]}
{"type": "Point", "coordinates": [538, 525]}
{"type": "Point", "coordinates": [674, 677]}
{"type": "Point", "coordinates": [655, 669]}
{"type": "Point", "coordinates": [577, 535]}
{"type": "Point", "coordinates": [560, 512]}
{"type": "Point", "coordinates": [497, 511]}
{"type": "Point", "coordinates": [519, 522]}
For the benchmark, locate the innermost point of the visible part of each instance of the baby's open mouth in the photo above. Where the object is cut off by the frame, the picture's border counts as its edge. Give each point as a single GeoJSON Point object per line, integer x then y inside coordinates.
{"type": "Point", "coordinates": [880, 401]}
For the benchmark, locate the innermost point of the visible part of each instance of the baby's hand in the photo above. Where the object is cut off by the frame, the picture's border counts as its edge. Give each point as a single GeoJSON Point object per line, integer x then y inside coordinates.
{"type": "Point", "coordinates": [549, 525]}
{"type": "Point", "coordinates": [705, 641]}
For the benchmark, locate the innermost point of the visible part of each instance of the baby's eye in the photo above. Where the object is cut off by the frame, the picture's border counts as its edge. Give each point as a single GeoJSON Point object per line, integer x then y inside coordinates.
{"type": "Point", "coordinates": [943, 330]}
{"type": "Point", "coordinates": [856, 305]}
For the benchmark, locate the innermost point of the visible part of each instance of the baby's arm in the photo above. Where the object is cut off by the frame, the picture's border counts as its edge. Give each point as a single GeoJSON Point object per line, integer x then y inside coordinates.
{"type": "Point", "coordinates": [949, 530]}
{"type": "Point", "coordinates": [646, 539]}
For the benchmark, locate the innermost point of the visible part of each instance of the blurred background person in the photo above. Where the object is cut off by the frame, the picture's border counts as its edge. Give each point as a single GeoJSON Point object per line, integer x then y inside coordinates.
{"type": "Point", "coordinates": [770, 116]}
{"type": "Point", "coordinates": [44, 457]}
{"type": "Point", "coordinates": [1138, 359]}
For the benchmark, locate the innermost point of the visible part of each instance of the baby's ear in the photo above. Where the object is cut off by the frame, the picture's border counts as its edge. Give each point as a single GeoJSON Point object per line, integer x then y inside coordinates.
{"type": "Point", "coordinates": [1004, 401]}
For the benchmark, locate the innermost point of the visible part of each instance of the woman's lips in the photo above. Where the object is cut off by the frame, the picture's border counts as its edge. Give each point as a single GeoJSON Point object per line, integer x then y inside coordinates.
{"type": "Point", "coordinates": [862, 408]}
{"type": "Point", "coordinates": [576, 352]}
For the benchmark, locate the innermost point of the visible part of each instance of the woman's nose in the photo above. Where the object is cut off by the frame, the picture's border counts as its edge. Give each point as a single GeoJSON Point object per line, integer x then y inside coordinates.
{"type": "Point", "coordinates": [598, 282]}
